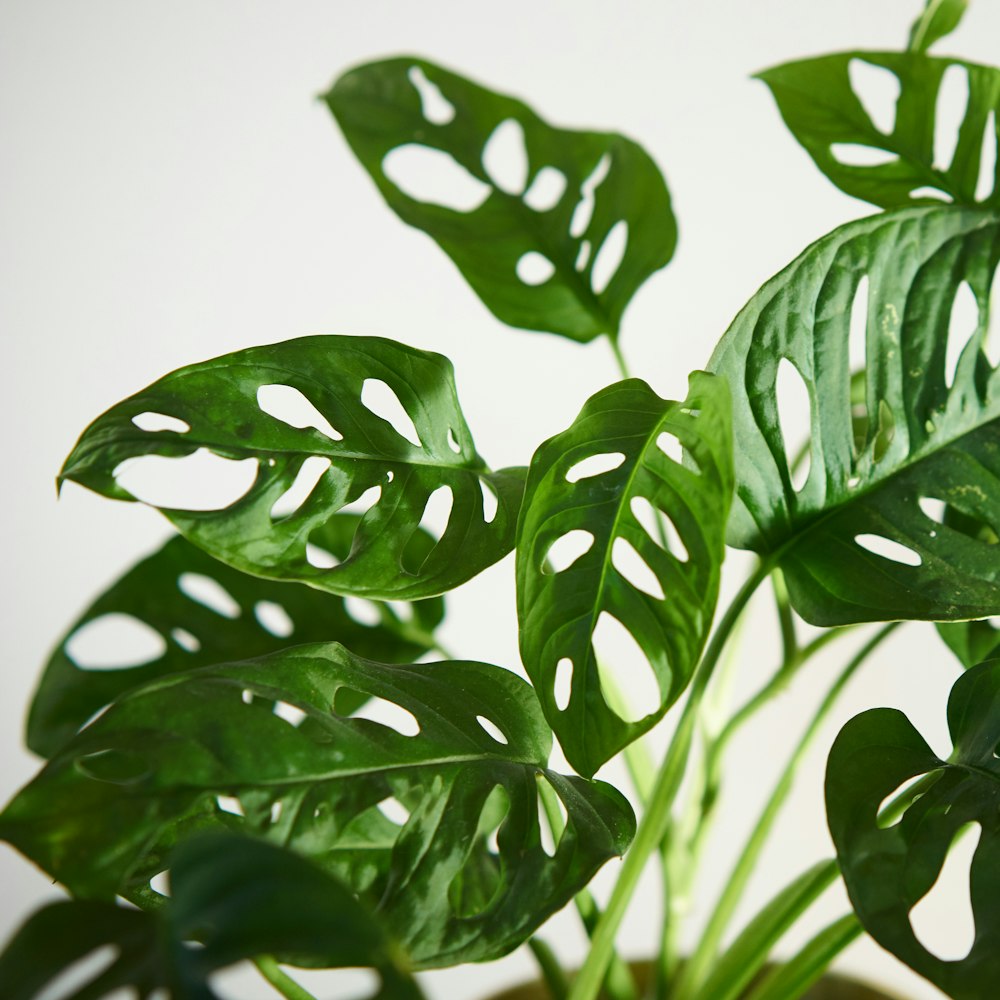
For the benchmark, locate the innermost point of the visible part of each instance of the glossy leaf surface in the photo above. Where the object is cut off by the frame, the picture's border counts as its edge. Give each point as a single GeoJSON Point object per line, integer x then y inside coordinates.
{"type": "Point", "coordinates": [931, 436]}
{"type": "Point", "coordinates": [888, 870]}
{"type": "Point", "coordinates": [663, 594]}
{"type": "Point", "coordinates": [199, 749]}
{"type": "Point", "coordinates": [897, 167]}
{"type": "Point", "coordinates": [368, 461]}
{"type": "Point", "coordinates": [599, 181]}
{"type": "Point", "coordinates": [268, 617]}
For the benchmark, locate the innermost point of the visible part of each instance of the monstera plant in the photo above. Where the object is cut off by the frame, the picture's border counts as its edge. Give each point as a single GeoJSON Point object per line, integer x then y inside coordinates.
{"type": "Point", "coordinates": [289, 785]}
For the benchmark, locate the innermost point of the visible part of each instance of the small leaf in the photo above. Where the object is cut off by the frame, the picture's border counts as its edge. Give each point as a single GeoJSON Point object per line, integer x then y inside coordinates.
{"type": "Point", "coordinates": [546, 195]}
{"type": "Point", "coordinates": [971, 642]}
{"type": "Point", "coordinates": [105, 812]}
{"type": "Point", "coordinates": [593, 482]}
{"type": "Point", "coordinates": [939, 18]}
{"type": "Point", "coordinates": [368, 460]}
{"type": "Point", "coordinates": [889, 869]}
{"type": "Point", "coordinates": [824, 112]}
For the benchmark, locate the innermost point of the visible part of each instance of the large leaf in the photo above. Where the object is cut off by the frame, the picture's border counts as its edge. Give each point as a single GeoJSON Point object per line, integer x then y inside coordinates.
{"type": "Point", "coordinates": [236, 897]}
{"type": "Point", "coordinates": [219, 401]}
{"type": "Point", "coordinates": [889, 869]}
{"type": "Point", "coordinates": [895, 167]}
{"type": "Point", "coordinates": [929, 438]}
{"type": "Point", "coordinates": [102, 815]}
{"type": "Point", "coordinates": [265, 616]}
{"type": "Point", "coordinates": [599, 181]}
{"type": "Point", "coordinates": [597, 479]}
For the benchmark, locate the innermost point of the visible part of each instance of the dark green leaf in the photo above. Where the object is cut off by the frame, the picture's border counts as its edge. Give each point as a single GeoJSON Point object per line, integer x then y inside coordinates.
{"type": "Point", "coordinates": [824, 113]}
{"type": "Point", "coordinates": [664, 595]}
{"type": "Point", "coordinates": [889, 869]}
{"type": "Point", "coordinates": [939, 18]}
{"type": "Point", "coordinates": [219, 401]}
{"type": "Point", "coordinates": [971, 642]}
{"type": "Point", "coordinates": [607, 181]}
{"type": "Point", "coordinates": [98, 815]}
{"type": "Point", "coordinates": [927, 441]}
{"type": "Point", "coordinates": [270, 616]}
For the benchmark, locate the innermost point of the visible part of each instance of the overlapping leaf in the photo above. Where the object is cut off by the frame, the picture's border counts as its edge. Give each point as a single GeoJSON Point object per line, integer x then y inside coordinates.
{"type": "Point", "coordinates": [219, 402]}
{"type": "Point", "coordinates": [103, 814]}
{"type": "Point", "coordinates": [267, 616]}
{"type": "Point", "coordinates": [236, 897]}
{"type": "Point", "coordinates": [664, 596]}
{"type": "Point", "coordinates": [897, 167]}
{"type": "Point", "coordinates": [888, 870]}
{"type": "Point", "coordinates": [592, 182]}
{"type": "Point", "coordinates": [931, 437]}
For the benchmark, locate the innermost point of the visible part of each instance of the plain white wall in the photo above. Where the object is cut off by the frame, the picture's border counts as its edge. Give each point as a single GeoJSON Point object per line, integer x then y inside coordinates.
{"type": "Point", "coordinates": [171, 190]}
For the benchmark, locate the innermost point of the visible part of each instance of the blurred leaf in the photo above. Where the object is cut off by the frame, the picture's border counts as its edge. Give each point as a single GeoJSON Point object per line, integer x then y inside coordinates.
{"type": "Point", "coordinates": [598, 181]}
{"type": "Point", "coordinates": [971, 642]}
{"type": "Point", "coordinates": [609, 478]}
{"type": "Point", "coordinates": [939, 18]}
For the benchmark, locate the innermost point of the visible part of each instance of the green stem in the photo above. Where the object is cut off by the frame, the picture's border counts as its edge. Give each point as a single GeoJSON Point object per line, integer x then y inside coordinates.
{"type": "Point", "coordinates": [280, 980]}
{"type": "Point", "coordinates": [619, 357]}
{"type": "Point", "coordinates": [789, 641]}
{"type": "Point", "coordinates": [654, 823]}
{"type": "Point", "coordinates": [552, 972]}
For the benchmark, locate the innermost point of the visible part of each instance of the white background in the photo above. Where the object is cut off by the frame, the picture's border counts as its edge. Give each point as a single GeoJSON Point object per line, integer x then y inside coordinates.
{"type": "Point", "coordinates": [171, 190]}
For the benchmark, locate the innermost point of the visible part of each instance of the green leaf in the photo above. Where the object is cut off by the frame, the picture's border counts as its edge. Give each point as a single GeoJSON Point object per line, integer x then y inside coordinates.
{"type": "Point", "coordinates": [824, 113]}
{"type": "Point", "coordinates": [268, 616]}
{"type": "Point", "coordinates": [888, 870]}
{"type": "Point", "coordinates": [926, 440]}
{"type": "Point", "coordinates": [663, 595]}
{"type": "Point", "coordinates": [220, 403]}
{"type": "Point", "coordinates": [102, 814]}
{"type": "Point", "coordinates": [238, 898]}
{"type": "Point", "coordinates": [971, 642]}
{"type": "Point", "coordinates": [939, 18]}
{"type": "Point", "coordinates": [607, 181]}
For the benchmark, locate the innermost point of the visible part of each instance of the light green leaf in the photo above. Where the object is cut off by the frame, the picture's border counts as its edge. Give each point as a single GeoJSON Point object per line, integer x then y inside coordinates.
{"type": "Point", "coordinates": [888, 870]}
{"type": "Point", "coordinates": [598, 182]}
{"type": "Point", "coordinates": [596, 481]}
{"type": "Point", "coordinates": [931, 438]}
{"type": "Point", "coordinates": [939, 18]}
{"type": "Point", "coordinates": [366, 458]}
{"type": "Point", "coordinates": [896, 167]}
{"type": "Point", "coordinates": [195, 748]}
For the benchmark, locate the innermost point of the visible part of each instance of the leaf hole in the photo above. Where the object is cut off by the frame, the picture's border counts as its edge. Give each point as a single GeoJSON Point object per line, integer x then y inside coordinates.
{"type": "Point", "coordinates": [156, 422]}
{"type": "Point", "coordinates": [475, 886]}
{"type": "Point", "coordinates": [74, 979]}
{"type": "Point", "coordinates": [883, 824]}
{"type": "Point", "coordinates": [210, 593]}
{"type": "Point", "coordinates": [635, 570]}
{"type": "Point", "coordinates": [188, 642]}
{"type": "Point", "coordinates": [492, 730]}
{"type": "Point", "coordinates": [394, 811]}
{"type": "Point", "coordinates": [505, 158]}
{"type": "Point", "coordinates": [273, 618]}
{"type": "Point", "coordinates": [942, 920]}
{"type": "Point", "coordinates": [930, 192]}
{"type": "Point", "coordinates": [293, 407]}
{"type": "Point", "coordinates": [534, 268]}
{"type": "Point", "coordinates": [877, 88]}
{"type": "Point", "coordinates": [885, 433]}
{"type": "Point", "coordinates": [547, 841]}
{"type": "Point", "coordinates": [986, 183]}
{"type": "Point", "coordinates": [566, 550]}
{"type": "Point", "coordinates": [889, 549]}
{"type": "Point", "coordinates": [433, 521]}
{"type": "Point", "coordinates": [277, 808]}
{"type": "Point", "coordinates": [857, 343]}
{"type": "Point", "coordinates": [291, 714]}
{"type": "Point", "coordinates": [853, 154]}
{"type": "Point", "coordinates": [229, 804]}
{"type": "Point", "coordinates": [659, 527]}
{"type": "Point", "coordinates": [452, 443]}
{"type": "Point", "coordinates": [582, 255]}
{"type": "Point", "coordinates": [991, 338]}
{"type": "Point", "coordinates": [363, 611]}
{"type": "Point", "coordinates": [114, 641]}
{"type": "Point", "coordinates": [246, 697]}
{"type": "Point", "coordinates": [563, 685]}
{"type": "Point", "coordinates": [594, 465]}
{"type": "Point", "coordinates": [363, 502]}
{"type": "Point", "coordinates": [949, 111]}
{"type": "Point", "coordinates": [161, 883]}
{"type": "Point", "coordinates": [546, 190]}
{"type": "Point", "coordinates": [491, 501]}
{"type": "Point", "coordinates": [389, 714]}
{"type": "Point", "coordinates": [792, 396]}
{"type": "Point", "coordinates": [311, 471]}
{"type": "Point", "coordinates": [932, 508]}
{"type": "Point", "coordinates": [609, 257]}
{"type": "Point", "coordinates": [434, 177]}
{"type": "Point", "coordinates": [320, 558]}
{"type": "Point", "coordinates": [199, 481]}
{"type": "Point", "coordinates": [620, 655]}
{"type": "Point", "coordinates": [379, 397]}
{"type": "Point", "coordinates": [584, 210]}
{"type": "Point", "coordinates": [671, 446]}
{"type": "Point", "coordinates": [434, 106]}
{"type": "Point", "coordinates": [962, 326]}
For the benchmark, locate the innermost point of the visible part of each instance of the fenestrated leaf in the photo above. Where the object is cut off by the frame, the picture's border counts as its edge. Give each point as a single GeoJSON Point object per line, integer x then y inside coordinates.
{"type": "Point", "coordinates": [238, 898]}
{"type": "Point", "coordinates": [663, 595]}
{"type": "Point", "coordinates": [888, 870]}
{"type": "Point", "coordinates": [606, 181]}
{"type": "Point", "coordinates": [96, 815]}
{"type": "Point", "coordinates": [824, 113]}
{"type": "Point", "coordinates": [197, 635]}
{"type": "Point", "coordinates": [219, 401]}
{"type": "Point", "coordinates": [925, 439]}
{"type": "Point", "coordinates": [939, 18]}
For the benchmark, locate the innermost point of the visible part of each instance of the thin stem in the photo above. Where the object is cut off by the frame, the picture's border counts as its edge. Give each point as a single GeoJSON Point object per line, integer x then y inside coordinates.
{"type": "Point", "coordinates": [552, 972]}
{"type": "Point", "coordinates": [789, 641]}
{"type": "Point", "coordinates": [280, 980]}
{"type": "Point", "coordinates": [619, 357]}
{"type": "Point", "coordinates": [654, 822]}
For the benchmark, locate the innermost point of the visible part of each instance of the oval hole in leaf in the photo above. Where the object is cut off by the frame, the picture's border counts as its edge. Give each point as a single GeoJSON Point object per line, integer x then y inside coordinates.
{"type": "Point", "coordinates": [930, 192]}
{"type": "Point", "coordinates": [273, 618]}
{"type": "Point", "coordinates": [156, 422]}
{"type": "Point", "coordinates": [490, 500]}
{"type": "Point", "coordinates": [609, 257]}
{"type": "Point", "coordinates": [563, 684]}
{"type": "Point", "coordinates": [988, 159]}
{"type": "Point", "coordinates": [853, 154]}
{"type": "Point", "coordinates": [380, 398]}
{"type": "Point", "coordinates": [434, 106]}
{"type": "Point", "coordinates": [877, 88]}
{"type": "Point", "coordinates": [363, 611]}
{"type": "Point", "coordinates": [546, 190]}
{"type": "Point", "coordinates": [962, 326]}
{"type": "Point", "coordinates": [932, 508]}
{"type": "Point", "coordinates": [565, 550]}
{"type": "Point", "coordinates": [210, 593]}
{"type": "Point", "coordinates": [991, 341]}
{"type": "Point", "coordinates": [534, 268]}
{"type": "Point", "coordinates": [584, 210]}
{"type": "Point", "coordinates": [857, 357]}
{"type": "Point", "coordinates": [582, 255]}
{"type": "Point", "coordinates": [453, 443]}
{"type": "Point", "coordinates": [635, 569]}
{"type": "Point", "coordinates": [364, 502]}
{"type": "Point", "coordinates": [476, 884]}
{"type": "Point", "coordinates": [200, 481]}
{"type": "Point", "coordinates": [888, 549]}
{"type": "Point", "coordinates": [594, 465]}
{"type": "Point", "coordinates": [885, 433]}
{"type": "Point", "coordinates": [942, 920]}
{"type": "Point", "coordinates": [793, 417]}
{"type": "Point", "coordinates": [230, 804]}
{"type": "Point", "coordinates": [114, 641]}
{"type": "Point", "coordinates": [292, 714]}
{"type": "Point", "coordinates": [619, 655]}
{"type": "Point", "coordinates": [394, 811]}
{"type": "Point", "coordinates": [311, 471]}
{"type": "Point", "coordinates": [653, 524]}
{"type": "Point", "coordinates": [949, 112]}
{"type": "Point", "coordinates": [293, 407]}
{"type": "Point", "coordinates": [505, 159]}
{"type": "Point", "coordinates": [895, 793]}
{"type": "Point", "coordinates": [433, 521]}
{"type": "Point", "coordinates": [389, 714]}
{"type": "Point", "coordinates": [492, 729]}
{"type": "Point", "coordinates": [671, 446]}
{"type": "Point", "coordinates": [320, 558]}
{"type": "Point", "coordinates": [188, 642]}
{"type": "Point", "coordinates": [434, 177]}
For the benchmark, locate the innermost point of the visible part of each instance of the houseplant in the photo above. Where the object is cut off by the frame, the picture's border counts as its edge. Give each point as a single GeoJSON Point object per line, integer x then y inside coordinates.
{"type": "Point", "coordinates": [118, 778]}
